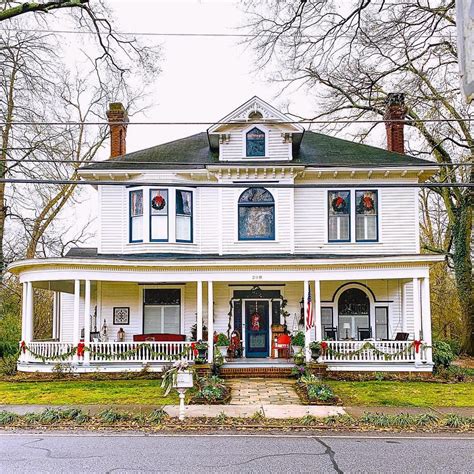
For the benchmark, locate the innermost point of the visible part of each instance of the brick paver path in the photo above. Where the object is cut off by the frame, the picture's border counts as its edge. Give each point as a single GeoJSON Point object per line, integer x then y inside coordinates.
{"type": "Point", "coordinates": [260, 391]}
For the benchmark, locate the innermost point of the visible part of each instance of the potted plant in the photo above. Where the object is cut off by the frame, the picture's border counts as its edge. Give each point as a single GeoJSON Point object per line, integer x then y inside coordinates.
{"type": "Point", "coordinates": [179, 376]}
{"type": "Point", "coordinates": [299, 358]}
{"type": "Point", "coordinates": [297, 342]}
{"type": "Point", "coordinates": [222, 343]}
{"type": "Point", "coordinates": [315, 348]}
{"type": "Point", "coordinates": [201, 347]}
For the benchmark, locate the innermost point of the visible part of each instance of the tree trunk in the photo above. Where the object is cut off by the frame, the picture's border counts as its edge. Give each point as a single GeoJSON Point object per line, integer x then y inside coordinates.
{"type": "Point", "coordinates": [462, 233]}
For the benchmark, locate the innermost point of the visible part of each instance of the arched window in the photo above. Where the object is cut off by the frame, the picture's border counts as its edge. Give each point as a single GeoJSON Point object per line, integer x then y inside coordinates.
{"type": "Point", "coordinates": [354, 314]}
{"type": "Point", "coordinates": [255, 142]}
{"type": "Point", "coordinates": [256, 215]}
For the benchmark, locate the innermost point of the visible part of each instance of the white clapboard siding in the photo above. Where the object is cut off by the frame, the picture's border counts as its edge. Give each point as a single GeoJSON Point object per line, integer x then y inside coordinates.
{"type": "Point", "coordinates": [113, 217]}
{"type": "Point", "coordinates": [234, 148]}
{"type": "Point", "coordinates": [398, 222]}
{"type": "Point", "coordinates": [208, 220]}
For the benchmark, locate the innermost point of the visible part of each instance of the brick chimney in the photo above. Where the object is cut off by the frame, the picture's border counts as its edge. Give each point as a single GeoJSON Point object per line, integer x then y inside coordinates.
{"type": "Point", "coordinates": [395, 110]}
{"type": "Point", "coordinates": [118, 120]}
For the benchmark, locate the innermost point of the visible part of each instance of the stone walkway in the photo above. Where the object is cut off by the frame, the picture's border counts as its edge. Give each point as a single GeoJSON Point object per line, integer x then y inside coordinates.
{"type": "Point", "coordinates": [259, 391]}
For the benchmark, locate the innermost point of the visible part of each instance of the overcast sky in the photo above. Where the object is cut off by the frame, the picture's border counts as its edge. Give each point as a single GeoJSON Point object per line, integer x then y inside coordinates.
{"type": "Point", "coordinates": [202, 79]}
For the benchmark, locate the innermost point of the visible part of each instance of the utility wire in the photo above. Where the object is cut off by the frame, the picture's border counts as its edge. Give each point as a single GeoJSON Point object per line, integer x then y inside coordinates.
{"type": "Point", "coordinates": [242, 184]}
{"type": "Point", "coordinates": [186, 35]}
{"type": "Point", "coordinates": [270, 164]}
{"type": "Point", "coordinates": [262, 122]}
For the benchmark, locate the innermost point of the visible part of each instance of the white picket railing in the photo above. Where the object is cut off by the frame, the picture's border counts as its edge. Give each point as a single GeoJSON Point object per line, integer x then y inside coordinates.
{"type": "Point", "coordinates": [140, 352]}
{"type": "Point", "coordinates": [397, 351]}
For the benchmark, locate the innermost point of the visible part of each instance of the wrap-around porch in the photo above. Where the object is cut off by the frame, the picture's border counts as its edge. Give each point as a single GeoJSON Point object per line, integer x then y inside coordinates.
{"type": "Point", "coordinates": [376, 319]}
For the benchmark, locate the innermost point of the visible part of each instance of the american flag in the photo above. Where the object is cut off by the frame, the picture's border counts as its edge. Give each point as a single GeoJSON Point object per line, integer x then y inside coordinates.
{"type": "Point", "coordinates": [309, 311]}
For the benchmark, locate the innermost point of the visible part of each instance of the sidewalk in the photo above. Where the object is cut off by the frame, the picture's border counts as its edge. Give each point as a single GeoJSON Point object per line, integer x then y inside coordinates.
{"type": "Point", "coordinates": [270, 411]}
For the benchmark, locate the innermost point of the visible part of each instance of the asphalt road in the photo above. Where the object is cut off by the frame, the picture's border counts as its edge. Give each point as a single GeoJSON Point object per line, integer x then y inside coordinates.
{"type": "Point", "coordinates": [34, 453]}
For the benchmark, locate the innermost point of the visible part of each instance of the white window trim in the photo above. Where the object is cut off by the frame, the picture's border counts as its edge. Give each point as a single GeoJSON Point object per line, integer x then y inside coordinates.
{"type": "Point", "coordinates": [146, 221]}
{"type": "Point", "coordinates": [266, 131]}
{"type": "Point", "coordinates": [141, 295]}
{"type": "Point", "coordinates": [352, 231]}
{"type": "Point", "coordinates": [237, 194]}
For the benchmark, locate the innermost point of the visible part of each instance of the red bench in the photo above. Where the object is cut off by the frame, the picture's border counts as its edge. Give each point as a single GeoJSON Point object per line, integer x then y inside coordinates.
{"type": "Point", "coordinates": [157, 337]}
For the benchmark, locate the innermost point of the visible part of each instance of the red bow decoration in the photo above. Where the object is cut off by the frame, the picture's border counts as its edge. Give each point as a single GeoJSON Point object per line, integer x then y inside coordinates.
{"type": "Point", "coordinates": [23, 346]}
{"type": "Point", "coordinates": [324, 346]}
{"type": "Point", "coordinates": [368, 203]}
{"type": "Point", "coordinates": [417, 344]}
{"type": "Point", "coordinates": [80, 349]}
{"type": "Point", "coordinates": [193, 348]}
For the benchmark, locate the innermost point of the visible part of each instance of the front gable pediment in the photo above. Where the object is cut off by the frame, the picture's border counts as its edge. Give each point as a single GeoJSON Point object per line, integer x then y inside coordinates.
{"type": "Point", "coordinates": [255, 113]}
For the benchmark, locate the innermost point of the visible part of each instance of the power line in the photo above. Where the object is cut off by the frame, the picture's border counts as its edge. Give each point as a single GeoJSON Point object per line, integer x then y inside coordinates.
{"type": "Point", "coordinates": [188, 35]}
{"type": "Point", "coordinates": [260, 163]}
{"type": "Point", "coordinates": [263, 122]}
{"type": "Point", "coordinates": [248, 184]}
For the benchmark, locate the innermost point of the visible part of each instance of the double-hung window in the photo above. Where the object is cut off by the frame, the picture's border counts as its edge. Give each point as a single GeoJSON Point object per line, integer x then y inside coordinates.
{"type": "Point", "coordinates": [184, 216]}
{"type": "Point", "coordinates": [381, 322]}
{"type": "Point", "coordinates": [159, 215]}
{"type": "Point", "coordinates": [339, 216]}
{"type": "Point", "coordinates": [366, 216]}
{"type": "Point", "coordinates": [136, 216]}
{"type": "Point", "coordinates": [162, 311]}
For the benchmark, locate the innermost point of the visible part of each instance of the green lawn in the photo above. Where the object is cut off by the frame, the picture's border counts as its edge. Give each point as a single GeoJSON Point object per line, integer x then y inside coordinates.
{"type": "Point", "coordinates": [149, 392]}
{"type": "Point", "coordinates": [88, 392]}
{"type": "Point", "coordinates": [417, 394]}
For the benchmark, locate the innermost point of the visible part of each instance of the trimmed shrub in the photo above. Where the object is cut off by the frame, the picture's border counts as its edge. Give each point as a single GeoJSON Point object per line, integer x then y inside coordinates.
{"type": "Point", "coordinates": [442, 355]}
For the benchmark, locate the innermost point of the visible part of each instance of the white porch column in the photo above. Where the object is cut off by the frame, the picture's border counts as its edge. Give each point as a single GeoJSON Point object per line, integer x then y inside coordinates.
{"type": "Point", "coordinates": [54, 315]}
{"type": "Point", "coordinates": [76, 332]}
{"type": "Point", "coordinates": [404, 307]}
{"type": "Point", "coordinates": [199, 311]}
{"type": "Point", "coordinates": [23, 311]}
{"type": "Point", "coordinates": [307, 332]}
{"type": "Point", "coordinates": [426, 315]}
{"type": "Point", "coordinates": [87, 319]}
{"type": "Point", "coordinates": [29, 312]}
{"type": "Point", "coordinates": [416, 314]}
{"type": "Point", "coordinates": [210, 321]}
{"type": "Point", "coordinates": [317, 310]}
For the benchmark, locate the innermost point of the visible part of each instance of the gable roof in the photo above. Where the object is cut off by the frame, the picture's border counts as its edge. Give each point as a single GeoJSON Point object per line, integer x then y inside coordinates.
{"type": "Point", "coordinates": [315, 149]}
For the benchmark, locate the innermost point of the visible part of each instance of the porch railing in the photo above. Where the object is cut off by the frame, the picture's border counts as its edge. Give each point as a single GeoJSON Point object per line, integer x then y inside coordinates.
{"type": "Point", "coordinates": [140, 352]}
{"type": "Point", "coordinates": [362, 351]}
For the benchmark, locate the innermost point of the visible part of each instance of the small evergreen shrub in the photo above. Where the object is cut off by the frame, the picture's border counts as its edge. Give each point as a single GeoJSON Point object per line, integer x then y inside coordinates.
{"type": "Point", "coordinates": [8, 365]}
{"type": "Point", "coordinates": [442, 355]}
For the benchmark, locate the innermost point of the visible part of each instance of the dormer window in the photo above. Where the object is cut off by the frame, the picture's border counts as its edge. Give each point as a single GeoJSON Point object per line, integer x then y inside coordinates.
{"type": "Point", "coordinates": [256, 215]}
{"type": "Point", "coordinates": [255, 142]}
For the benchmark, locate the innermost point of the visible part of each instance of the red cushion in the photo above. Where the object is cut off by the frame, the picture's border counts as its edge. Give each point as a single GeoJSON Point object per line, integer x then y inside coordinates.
{"type": "Point", "coordinates": [159, 337]}
{"type": "Point", "coordinates": [283, 339]}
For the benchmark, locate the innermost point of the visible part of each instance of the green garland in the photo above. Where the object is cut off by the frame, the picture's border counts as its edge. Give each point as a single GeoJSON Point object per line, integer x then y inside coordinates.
{"type": "Point", "coordinates": [108, 356]}
{"type": "Point", "coordinates": [369, 345]}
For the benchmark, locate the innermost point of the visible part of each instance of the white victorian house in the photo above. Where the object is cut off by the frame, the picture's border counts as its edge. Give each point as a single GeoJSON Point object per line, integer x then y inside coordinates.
{"type": "Point", "coordinates": [234, 229]}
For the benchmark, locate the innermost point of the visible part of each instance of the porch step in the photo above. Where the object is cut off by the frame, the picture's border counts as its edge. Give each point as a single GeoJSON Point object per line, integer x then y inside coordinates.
{"type": "Point", "coordinates": [247, 372]}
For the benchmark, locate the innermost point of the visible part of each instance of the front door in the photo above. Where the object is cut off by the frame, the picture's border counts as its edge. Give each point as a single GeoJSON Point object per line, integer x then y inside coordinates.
{"type": "Point", "coordinates": [256, 328]}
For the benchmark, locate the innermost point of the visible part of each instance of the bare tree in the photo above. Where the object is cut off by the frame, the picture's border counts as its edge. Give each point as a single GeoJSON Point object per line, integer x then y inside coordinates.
{"type": "Point", "coordinates": [38, 89]}
{"type": "Point", "coordinates": [351, 55]}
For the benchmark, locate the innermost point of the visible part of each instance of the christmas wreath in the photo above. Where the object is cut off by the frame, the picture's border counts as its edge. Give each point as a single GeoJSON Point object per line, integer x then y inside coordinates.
{"type": "Point", "coordinates": [366, 204]}
{"type": "Point", "coordinates": [338, 204]}
{"type": "Point", "coordinates": [158, 202]}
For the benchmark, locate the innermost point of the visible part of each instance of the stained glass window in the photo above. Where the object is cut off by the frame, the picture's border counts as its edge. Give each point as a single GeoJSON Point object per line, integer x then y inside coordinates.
{"type": "Point", "coordinates": [184, 216]}
{"type": "Point", "coordinates": [366, 215]}
{"type": "Point", "coordinates": [159, 215]}
{"type": "Point", "coordinates": [339, 216]}
{"type": "Point", "coordinates": [256, 215]}
{"type": "Point", "coordinates": [136, 216]}
{"type": "Point", "coordinates": [255, 142]}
